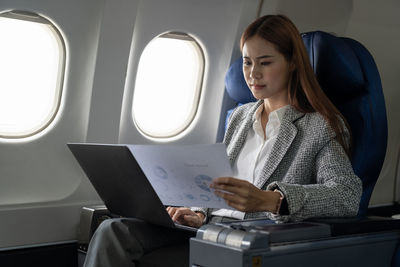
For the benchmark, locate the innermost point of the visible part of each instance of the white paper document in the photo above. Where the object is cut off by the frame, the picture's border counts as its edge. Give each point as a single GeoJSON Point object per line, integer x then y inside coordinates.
{"type": "Point", "coordinates": [181, 174]}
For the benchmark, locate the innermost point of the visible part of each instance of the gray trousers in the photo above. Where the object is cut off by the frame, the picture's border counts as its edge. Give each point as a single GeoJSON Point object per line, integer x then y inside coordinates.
{"type": "Point", "coordinates": [132, 242]}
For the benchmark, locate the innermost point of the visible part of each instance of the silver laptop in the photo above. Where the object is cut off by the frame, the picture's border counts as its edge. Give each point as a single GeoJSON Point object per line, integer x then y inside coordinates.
{"type": "Point", "coordinates": [121, 183]}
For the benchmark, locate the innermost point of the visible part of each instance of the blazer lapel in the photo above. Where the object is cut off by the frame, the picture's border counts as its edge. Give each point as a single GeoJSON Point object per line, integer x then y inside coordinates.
{"type": "Point", "coordinates": [286, 135]}
{"type": "Point", "coordinates": [240, 137]}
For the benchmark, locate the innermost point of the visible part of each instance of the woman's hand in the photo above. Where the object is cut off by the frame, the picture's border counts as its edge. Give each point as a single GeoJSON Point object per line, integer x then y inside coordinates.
{"type": "Point", "coordinates": [244, 196]}
{"type": "Point", "coordinates": [186, 216]}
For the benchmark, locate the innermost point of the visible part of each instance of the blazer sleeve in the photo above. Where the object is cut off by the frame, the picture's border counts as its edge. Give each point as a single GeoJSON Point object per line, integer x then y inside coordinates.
{"type": "Point", "coordinates": [336, 193]}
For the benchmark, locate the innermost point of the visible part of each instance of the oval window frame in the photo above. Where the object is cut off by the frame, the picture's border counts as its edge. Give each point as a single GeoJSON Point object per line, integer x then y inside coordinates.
{"type": "Point", "coordinates": [58, 90]}
{"type": "Point", "coordinates": [196, 95]}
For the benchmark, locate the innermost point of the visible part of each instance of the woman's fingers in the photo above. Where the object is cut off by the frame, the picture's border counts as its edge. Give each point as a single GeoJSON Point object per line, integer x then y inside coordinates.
{"type": "Point", "coordinates": [227, 181]}
{"type": "Point", "coordinates": [235, 201]}
{"type": "Point", "coordinates": [184, 216]}
{"type": "Point", "coordinates": [180, 212]}
{"type": "Point", "coordinates": [193, 220]}
{"type": "Point", "coordinates": [232, 185]}
{"type": "Point", "coordinates": [230, 197]}
{"type": "Point", "coordinates": [171, 211]}
{"type": "Point", "coordinates": [239, 194]}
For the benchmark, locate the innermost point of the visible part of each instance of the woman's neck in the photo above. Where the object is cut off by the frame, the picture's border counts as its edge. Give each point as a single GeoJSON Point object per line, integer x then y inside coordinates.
{"type": "Point", "coordinates": [269, 107]}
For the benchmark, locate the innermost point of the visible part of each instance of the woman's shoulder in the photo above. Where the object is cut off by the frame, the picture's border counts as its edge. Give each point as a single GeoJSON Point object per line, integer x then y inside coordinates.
{"type": "Point", "coordinates": [315, 124]}
{"type": "Point", "coordinates": [241, 115]}
{"type": "Point", "coordinates": [315, 118]}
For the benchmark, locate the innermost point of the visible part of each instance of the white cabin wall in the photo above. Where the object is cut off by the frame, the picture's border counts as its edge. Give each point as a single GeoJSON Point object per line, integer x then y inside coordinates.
{"type": "Point", "coordinates": [213, 23]}
{"type": "Point", "coordinates": [250, 10]}
{"type": "Point", "coordinates": [41, 186]}
{"type": "Point", "coordinates": [376, 25]}
{"type": "Point", "coordinates": [111, 68]}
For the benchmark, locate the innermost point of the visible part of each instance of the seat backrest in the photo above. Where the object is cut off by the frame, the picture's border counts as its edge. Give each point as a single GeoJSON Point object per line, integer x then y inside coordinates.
{"type": "Point", "coordinates": [348, 75]}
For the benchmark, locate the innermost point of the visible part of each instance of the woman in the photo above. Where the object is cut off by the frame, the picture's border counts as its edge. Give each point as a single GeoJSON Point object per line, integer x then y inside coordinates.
{"type": "Point", "coordinates": [290, 150]}
{"type": "Point", "coordinates": [302, 158]}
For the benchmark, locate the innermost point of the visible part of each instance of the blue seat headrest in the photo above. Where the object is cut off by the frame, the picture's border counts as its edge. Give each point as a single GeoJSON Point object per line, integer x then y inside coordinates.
{"type": "Point", "coordinates": [332, 55]}
{"type": "Point", "coordinates": [235, 83]}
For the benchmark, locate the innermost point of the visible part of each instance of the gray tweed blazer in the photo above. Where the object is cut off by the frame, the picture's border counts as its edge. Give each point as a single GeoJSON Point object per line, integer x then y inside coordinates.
{"type": "Point", "coordinates": [306, 164]}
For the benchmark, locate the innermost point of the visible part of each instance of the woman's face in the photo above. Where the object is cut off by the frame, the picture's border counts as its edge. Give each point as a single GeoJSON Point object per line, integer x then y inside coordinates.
{"type": "Point", "coordinates": [266, 71]}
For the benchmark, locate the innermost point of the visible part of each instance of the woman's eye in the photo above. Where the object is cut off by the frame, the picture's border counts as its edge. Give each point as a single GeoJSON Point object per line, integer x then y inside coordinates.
{"type": "Point", "coordinates": [246, 63]}
{"type": "Point", "coordinates": [265, 63]}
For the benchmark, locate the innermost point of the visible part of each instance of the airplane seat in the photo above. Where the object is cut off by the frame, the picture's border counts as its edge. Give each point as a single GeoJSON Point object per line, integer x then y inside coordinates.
{"type": "Point", "coordinates": [236, 87]}
{"type": "Point", "coordinates": [348, 75]}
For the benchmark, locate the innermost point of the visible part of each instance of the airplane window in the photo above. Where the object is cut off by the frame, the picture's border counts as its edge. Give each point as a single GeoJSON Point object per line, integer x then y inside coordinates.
{"type": "Point", "coordinates": [32, 55]}
{"type": "Point", "coordinates": [168, 85]}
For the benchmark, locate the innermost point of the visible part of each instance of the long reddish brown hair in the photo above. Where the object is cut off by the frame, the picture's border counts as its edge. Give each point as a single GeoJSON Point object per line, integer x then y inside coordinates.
{"type": "Point", "coordinates": [305, 94]}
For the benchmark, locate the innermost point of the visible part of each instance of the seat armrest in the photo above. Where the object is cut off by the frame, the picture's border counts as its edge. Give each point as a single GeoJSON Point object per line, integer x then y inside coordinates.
{"type": "Point", "coordinates": [357, 225]}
